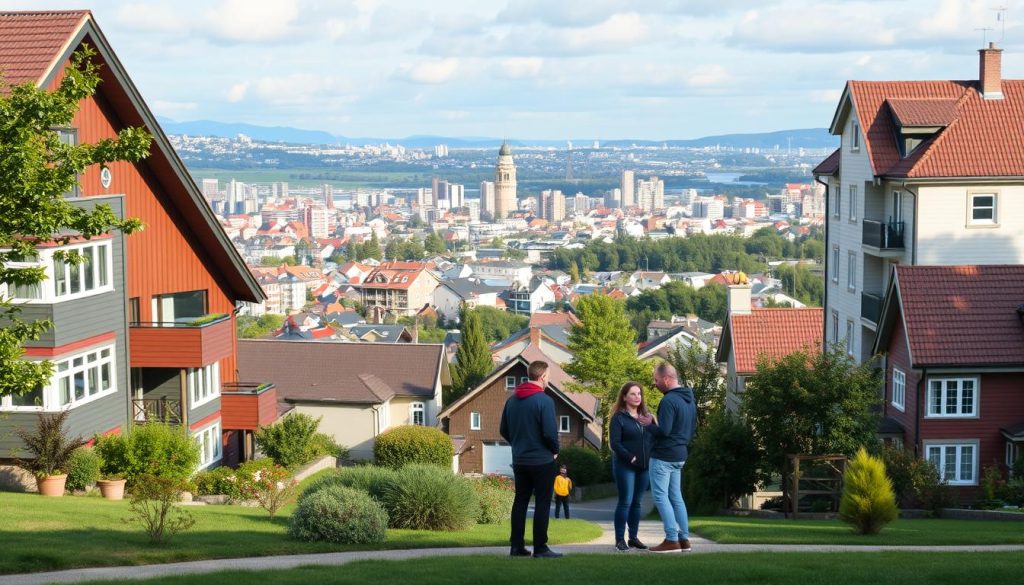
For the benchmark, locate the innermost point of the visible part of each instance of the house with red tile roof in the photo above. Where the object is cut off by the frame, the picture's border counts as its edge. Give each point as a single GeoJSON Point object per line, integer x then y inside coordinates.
{"type": "Point", "coordinates": [953, 337]}
{"type": "Point", "coordinates": [927, 173]}
{"type": "Point", "coordinates": [399, 288]}
{"type": "Point", "coordinates": [751, 334]}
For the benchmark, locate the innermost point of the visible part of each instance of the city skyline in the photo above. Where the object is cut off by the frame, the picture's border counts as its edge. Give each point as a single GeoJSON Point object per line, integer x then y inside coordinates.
{"type": "Point", "coordinates": [601, 69]}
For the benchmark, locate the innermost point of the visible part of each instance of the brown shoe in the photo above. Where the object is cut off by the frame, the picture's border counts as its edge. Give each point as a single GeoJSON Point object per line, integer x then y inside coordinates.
{"type": "Point", "coordinates": [684, 545]}
{"type": "Point", "coordinates": [667, 546]}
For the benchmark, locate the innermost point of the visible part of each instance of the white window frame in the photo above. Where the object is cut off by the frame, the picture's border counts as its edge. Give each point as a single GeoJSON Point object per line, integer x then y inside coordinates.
{"type": "Point", "coordinates": [850, 336]}
{"type": "Point", "coordinates": [851, 271]}
{"type": "Point", "coordinates": [210, 444]}
{"type": "Point", "coordinates": [838, 211]}
{"type": "Point", "coordinates": [835, 326]}
{"type": "Point", "coordinates": [899, 389]}
{"type": "Point", "coordinates": [971, 207]}
{"type": "Point", "coordinates": [203, 384]}
{"type": "Point", "coordinates": [853, 202]}
{"type": "Point", "coordinates": [510, 382]}
{"type": "Point", "coordinates": [474, 421]}
{"type": "Point", "coordinates": [855, 136]}
{"type": "Point", "coordinates": [958, 447]}
{"type": "Point", "coordinates": [1012, 453]}
{"type": "Point", "coordinates": [524, 379]}
{"type": "Point", "coordinates": [835, 263]}
{"type": "Point", "coordinates": [418, 408]}
{"type": "Point", "coordinates": [91, 366]}
{"type": "Point", "coordinates": [102, 273]}
{"type": "Point", "coordinates": [564, 424]}
{"type": "Point", "coordinates": [945, 382]}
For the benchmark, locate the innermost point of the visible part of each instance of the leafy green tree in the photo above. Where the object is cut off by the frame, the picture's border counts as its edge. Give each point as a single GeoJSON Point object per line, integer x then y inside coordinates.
{"type": "Point", "coordinates": [722, 465]}
{"type": "Point", "coordinates": [812, 403]}
{"type": "Point", "coordinates": [250, 327]}
{"type": "Point", "coordinates": [574, 273]}
{"type": "Point", "coordinates": [371, 249]}
{"type": "Point", "coordinates": [802, 284]}
{"type": "Point", "coordinates": [303, 252]}
{"type": "Point", "coordinates": [604, 349]}
{"type": "Point", "coordinates": [498, 324]}
{"type": "Point", "coordinates": [36, 171]}
{"type": "Point", "coordinates": [698, 369]}
{"type": "Point", "coordinates": [473, 359]}
{"type": "Point", "coordinates": [434, 244]}
{"type": "Point", "coordinates": [416, 221]}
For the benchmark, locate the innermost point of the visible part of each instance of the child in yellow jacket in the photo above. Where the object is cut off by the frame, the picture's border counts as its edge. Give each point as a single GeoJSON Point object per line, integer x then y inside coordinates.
{"type": "Point", "coordinates": [563, 487]}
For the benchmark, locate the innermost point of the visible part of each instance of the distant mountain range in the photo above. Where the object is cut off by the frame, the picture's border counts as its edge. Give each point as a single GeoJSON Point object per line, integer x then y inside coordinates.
{"type": "Point", "coordinates": [806, 137]}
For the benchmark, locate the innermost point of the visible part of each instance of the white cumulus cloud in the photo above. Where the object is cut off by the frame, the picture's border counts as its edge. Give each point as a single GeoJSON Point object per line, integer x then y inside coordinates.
{"type": "Point", "coordinates": [431, 72]}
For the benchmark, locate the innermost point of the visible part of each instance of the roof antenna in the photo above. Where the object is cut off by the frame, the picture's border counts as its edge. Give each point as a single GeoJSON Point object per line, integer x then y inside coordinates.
{"type": "Point", "coordinates": [984, 35]}
{"type": "Point", "coordinates": [1001, 19]}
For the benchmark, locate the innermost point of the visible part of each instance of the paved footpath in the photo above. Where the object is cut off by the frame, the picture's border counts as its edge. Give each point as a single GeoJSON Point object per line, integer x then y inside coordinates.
{"type": "Point", "coordinates": [599, 511]}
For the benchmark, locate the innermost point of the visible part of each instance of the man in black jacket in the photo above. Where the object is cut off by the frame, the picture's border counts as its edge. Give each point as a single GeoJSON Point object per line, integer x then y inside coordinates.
{"type": "Point", "coordinates": [528, 424]}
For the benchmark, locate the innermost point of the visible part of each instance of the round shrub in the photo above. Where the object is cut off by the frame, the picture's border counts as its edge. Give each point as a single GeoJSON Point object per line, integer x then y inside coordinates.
{"type": "Point", "coordinates": [585, 465]}
{"type": "Point", "coordinates": [216, 482]}
{"type": "Point", "coordinates": [370, 479]}
{"type": "Point", "coordinates": [341, 515]}
{"type": "Point", "coordinates": [407, 444]}
{"type": "Point", "coordinates": [290, 442]}
{"type": "Point", "coordinates": [83, 469]}
{"type": "Point", "coordinates": [495, 493]}
{"type": "Point", "coordinates": [155, 449]}
{"type": "Point", "coordinates": [427, 497]}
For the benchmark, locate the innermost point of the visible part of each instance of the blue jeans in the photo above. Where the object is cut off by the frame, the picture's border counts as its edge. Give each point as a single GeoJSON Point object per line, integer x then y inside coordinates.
{"type": "Point", "coordinates": [632, 483]}
{"type": "Point", "coordinates": [667, 489]}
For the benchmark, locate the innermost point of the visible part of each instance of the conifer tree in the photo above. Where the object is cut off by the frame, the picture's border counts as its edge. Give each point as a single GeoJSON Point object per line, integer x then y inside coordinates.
{"type": "Point", "coordinates": [473, 359]}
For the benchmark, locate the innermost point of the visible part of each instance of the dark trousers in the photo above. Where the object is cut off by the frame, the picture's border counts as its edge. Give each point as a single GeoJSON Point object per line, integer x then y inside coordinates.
{"type": "Point", "coordinates": [564, 502]}
{"type": "Point", "coordinates": [632, 484]}
{"type": "Point", "coordinates": [532, 480]}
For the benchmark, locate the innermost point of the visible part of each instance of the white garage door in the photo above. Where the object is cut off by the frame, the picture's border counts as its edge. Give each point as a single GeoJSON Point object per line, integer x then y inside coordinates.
{"type": "Point", "coordinates": [498, 458]}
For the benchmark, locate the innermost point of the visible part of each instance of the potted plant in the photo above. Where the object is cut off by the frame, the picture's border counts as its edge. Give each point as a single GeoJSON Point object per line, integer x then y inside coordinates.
{"type": "Point", "coordinates": [112, 486]}
{"type": "Point", "coordinates": [51, 452]}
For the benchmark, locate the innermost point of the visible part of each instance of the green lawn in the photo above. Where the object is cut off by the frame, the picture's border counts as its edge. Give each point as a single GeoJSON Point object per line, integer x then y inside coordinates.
{"type": "Point", "coordinates": [650, 569]}
{"type": "Point", "coordinates": [733, 530]}
{"type": "Point", "coordinates": [41, 534]}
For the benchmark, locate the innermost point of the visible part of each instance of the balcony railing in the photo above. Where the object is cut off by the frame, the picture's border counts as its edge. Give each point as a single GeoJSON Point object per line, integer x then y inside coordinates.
{"type": "Point", "coordinates": [156, 410]}
{"type": "Point", "coordinates": [870, 307]}
{"type": "Point", "coordinates": [183, 344]}
{"type": "Point", "coordinates": [247, 405]}
{"type": "Point", "coordinates": [884, 235]}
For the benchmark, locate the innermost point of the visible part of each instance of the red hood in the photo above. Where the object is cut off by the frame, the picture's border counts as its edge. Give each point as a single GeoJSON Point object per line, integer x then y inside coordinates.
{"type": "Point", "coordinates": [528, 389]}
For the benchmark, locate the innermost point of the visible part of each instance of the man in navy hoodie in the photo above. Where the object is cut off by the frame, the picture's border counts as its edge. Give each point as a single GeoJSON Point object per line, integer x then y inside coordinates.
{"type": "Point", "coordinates": [528, 424]}
{"type": "Point", "coordinates": [677, 420]}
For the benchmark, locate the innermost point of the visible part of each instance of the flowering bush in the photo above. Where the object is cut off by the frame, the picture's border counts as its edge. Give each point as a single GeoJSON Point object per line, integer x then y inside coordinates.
{"type": "Point", "coordinates": [496, 493]}
{"type": "Point", "coordinates": [268, 483]}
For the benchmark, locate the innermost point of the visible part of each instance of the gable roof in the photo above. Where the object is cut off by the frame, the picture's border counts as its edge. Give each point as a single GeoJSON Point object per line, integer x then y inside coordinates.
{"type": "Point", "coordinates": [34, 47]}
{"type": "Point", "coordinates": [771, 332]}
{"type": "Point", "coordinates": [355, 373]}
{"type": "Point", "coordinates": [979, 138]}
{"type": "Point", "coordinates": [829, 166]}
{"type": "Point", "coordinates": [957, 315]}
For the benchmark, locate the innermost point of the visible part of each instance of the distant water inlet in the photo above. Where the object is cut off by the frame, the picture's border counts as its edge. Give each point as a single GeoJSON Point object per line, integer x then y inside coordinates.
{"type": "Point", "coordinates": [729, 179]}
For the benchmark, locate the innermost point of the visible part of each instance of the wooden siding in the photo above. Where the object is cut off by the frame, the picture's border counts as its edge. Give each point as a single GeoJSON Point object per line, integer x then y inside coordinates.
{"type": "Point", "coordinates": [161, 383]}
{"type": "Point", "coordinates": [899, 357]}
{"type": "Point", "coordinates": [87, 420]}
{"type": "Point", "coordinates": [248, 411]}
{"type": "Point", "coordinates": [203, 411]}
{"type": "Point", "coordinates": [185, 347]}
{"type": "Point", "coordinates": [490, 403]}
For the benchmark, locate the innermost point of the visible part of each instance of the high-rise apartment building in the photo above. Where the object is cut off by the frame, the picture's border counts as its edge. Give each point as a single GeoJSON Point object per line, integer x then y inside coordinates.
{"type": "Point", "coordinates": [487, 197]}
{"type": "Point", "coordinates": [211, 188]}
{"type": "Point", "coordinates": [552, 205]}
{"type": "Point", "coordinates": [505, 199]}
{"type": "Point", "coordinates": [627, 186]}
{"type": "Point", "coordinates": [650, 194]}
{"type": "Point", "coordinates": [456, 195]}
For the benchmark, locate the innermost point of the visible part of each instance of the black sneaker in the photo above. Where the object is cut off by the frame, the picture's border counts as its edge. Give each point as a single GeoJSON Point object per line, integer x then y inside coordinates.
{"type": "Point", "coordinates": [520, 552]}
{"type": "Point", "coordinates": [635, 543]}
{"type": "Point", "coordinates": [621, 546]}
{"type": "Point", "coordinates": [547, 554]}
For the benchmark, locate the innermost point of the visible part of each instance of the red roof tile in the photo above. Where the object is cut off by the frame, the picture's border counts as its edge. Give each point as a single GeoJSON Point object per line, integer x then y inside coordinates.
{"type": "Point", "coordinates": [30, 42]}
{"type": "Point", "coordinates": [962, 315]}
{"type": "Point", "coordinates": [775, 333]}
{"type": "Point", "coordinates": [923, 112]}
{"type": "Point", "coordinates": [982, 140]}
{"type": "Point", "coordinates": [560, 318]}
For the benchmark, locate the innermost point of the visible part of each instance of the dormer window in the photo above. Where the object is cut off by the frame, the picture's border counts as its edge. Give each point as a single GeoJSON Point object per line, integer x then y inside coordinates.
{"type": "Point", "coordinates": [918, 120]}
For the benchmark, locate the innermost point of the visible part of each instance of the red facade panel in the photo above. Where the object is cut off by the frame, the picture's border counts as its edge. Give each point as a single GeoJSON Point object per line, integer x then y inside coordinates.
{"type": "Point", "coordinates": [248, 411]}
{"type": "Point", "coordinates": [182, 347]}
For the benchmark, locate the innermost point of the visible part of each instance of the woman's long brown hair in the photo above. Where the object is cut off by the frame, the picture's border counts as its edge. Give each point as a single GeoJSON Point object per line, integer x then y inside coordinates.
{"type": "Point", "coordinates": [620, 402]}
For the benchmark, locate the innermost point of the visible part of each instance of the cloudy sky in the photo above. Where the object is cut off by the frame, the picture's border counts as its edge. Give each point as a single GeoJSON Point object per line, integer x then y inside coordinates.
{"type": "Point", "coordinates": [548, 69]}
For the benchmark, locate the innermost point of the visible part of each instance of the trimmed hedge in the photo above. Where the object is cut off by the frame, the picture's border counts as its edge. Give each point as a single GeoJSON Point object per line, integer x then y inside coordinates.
{"type": "Point", "coordinates": [426, 497]}
{"type": "Point", "coordinates": [585, 465]}
{"type": "Point", "coordinates": [409, 444]}
{"type": "Point", "coordinates": [83, 469]}
{"type": "Point", "coordinates": [216, 482]}
{"type": "Point", "coordinates": [341, 515]}
{"type": "Point", "coordinates": [366, 478]}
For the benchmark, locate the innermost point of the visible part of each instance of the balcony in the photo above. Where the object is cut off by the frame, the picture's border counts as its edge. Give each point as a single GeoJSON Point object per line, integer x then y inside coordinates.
{"type": "Point", "coordinates": [870, 307]}
{"type": "Point", "coordinates": [247, 405]}
{"type": "Point", "coordinates": [190, 344]}
{"type": "Point", "coordinates": [883, 236]}
{"type": "Point", "coordinates": [157, 410]}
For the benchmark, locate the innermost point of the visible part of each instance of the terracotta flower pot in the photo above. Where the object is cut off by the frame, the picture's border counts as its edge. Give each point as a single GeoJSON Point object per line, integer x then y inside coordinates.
{"type": "Point", "coordinates": [112, 489]}
{"type": "Point", "coordinates": [51, 485]}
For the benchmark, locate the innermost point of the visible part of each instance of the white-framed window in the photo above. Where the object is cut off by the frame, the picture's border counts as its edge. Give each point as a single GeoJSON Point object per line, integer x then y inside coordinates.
{"type": "Point", "coordinates": [849, 336]}
{"type": "Point", "coordinates": [835, 326]}
{"type": "Point", "coordinates": [384, 416]}
{"type": "Point", "coordinates": [418, 413]}
{"type": "Point", "coordinates": [855, 136]}
{"type": "Point", "coordinates": [78, 379]}
{"type": "Point", "coordinates": [474, 421]}
{"type": "Point", "coordinates": [563, 424]}
{"type": "Point", "coordinates": [899, 388]}
{"type": "Point", "coordinates": [982, 209]}
{"type": "Point", "coordinates": [957, 462]}
{"type": "Point", "coordinates": [209, 440]}
{"type": "Point", "coordinates": [851, 271]}
{"type": "Point", "coordinates": [1013, 451]}
{"type": "Point", "coordinates": [65, 281]}
{"type": "Point", "coordinates": [837, 211]}
{"type": "Point", "coordinates": [853, 203]}
{"type": "Point", "coordinates": [835, 264]}
{"type": "Point", "coordinates": [524, 379]}
{"type": "Point", "coordinates": [510, 382]}
{"type": "Point", "coordinates": [203, 384]}
{"type": "Point", "coordinates": [30, 401]}
{"type": "Point", "coordinates": [952, 397]}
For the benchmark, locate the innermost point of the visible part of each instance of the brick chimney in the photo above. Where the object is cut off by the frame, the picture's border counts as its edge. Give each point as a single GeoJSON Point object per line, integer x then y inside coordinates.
{"type": "Point", "coordinates": [990, 75]}
{"type": "Point", "coordinates": [535, 336]}
{"type": "Point", "coordinates": [738, 299]}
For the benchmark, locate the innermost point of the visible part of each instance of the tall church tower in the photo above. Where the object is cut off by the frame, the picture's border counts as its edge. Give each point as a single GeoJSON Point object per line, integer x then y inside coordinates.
{"type": "Point", "coordinates": [505, 200]}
